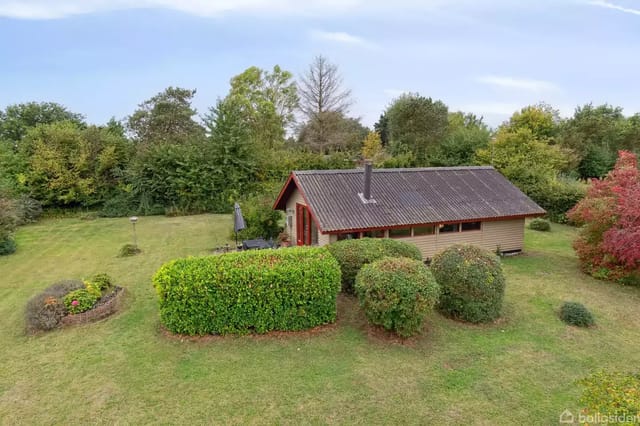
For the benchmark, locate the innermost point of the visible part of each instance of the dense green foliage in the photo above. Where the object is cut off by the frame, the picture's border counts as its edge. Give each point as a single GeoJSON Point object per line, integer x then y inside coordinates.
{"type": "Point", "coordinates": [471, 281]}
{"type": "Point", "coordinates": [416, 124]}
{"type": "Point", "coordinates": [612, 394]}
{"type": "Point", "coordinates": [396, 293]}
{"type": "Point", "coordinates": [251, 291]}
{"type": "Point", "coordinates": [102, 281]}
{"type": "Point", "coordinates": [574, 313]}
{"type": "Point", "coordinates": [80, 300]}
{"type": "Point", "coordinates": [164, 158]}
{"type": "Point", "coordinates": [354, 254]}
{"type": "Point", "coordinates": [539, 224]}
{"type": "Point", "coordinates": [45, 310]}
{"type": "Point", "coordinates": [7, 246]}
{"type": "Point", "coordinates": [261, 220]}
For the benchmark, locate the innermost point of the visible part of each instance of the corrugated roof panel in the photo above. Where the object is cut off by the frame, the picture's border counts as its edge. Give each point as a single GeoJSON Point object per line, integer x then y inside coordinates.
{"type": "Point", "coordinates": [411, 196]}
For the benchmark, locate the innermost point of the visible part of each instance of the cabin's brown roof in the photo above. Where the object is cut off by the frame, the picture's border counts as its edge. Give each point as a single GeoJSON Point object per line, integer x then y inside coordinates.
{"type": "Point", "coordinates": [407, 197]}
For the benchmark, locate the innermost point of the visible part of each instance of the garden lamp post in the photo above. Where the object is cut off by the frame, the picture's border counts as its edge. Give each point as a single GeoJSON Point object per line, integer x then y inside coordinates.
{"type": "Point", "coordinates": [133, 220]}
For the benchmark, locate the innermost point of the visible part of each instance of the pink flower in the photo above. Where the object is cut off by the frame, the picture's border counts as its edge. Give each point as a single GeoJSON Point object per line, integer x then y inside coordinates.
{"type": "Point", "coordinates": [74, 303]}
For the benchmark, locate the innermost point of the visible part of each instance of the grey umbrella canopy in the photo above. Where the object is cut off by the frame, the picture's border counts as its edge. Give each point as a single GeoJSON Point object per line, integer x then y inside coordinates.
{"type": "Point", "coordinates": [238, 220]}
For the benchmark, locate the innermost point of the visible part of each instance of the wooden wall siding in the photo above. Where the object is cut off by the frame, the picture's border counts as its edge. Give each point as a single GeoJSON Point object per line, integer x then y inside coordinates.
{"type": "Point", "coordinates": [324, 239]}
{"type": "Point", "coordinates": [508, 234]}
{"type": "Point", "coordinates": [295, 198]}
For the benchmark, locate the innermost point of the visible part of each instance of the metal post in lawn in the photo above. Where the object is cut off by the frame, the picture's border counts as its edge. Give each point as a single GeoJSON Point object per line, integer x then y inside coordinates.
{"type": "Point", "coordinates": [133, 220]}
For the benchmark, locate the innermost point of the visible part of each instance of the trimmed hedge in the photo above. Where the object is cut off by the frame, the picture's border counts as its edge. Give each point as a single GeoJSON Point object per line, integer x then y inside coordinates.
{"type": "Point", "coordinates": [251, 291]}
{"type": "Point", "coordinates": [472, 283]}
{"type": "Point", "coordinates": [353, 254]}
{"type": "Point", "coordinates": [397, 293]}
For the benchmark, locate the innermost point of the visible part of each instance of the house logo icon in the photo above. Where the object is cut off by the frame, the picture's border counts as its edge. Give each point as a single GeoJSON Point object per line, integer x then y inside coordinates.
{"type": "Point", "coordinates": [566, 417]}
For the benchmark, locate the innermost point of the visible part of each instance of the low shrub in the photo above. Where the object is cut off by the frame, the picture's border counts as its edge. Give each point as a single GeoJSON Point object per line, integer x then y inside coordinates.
{"type": "Point", "coordinates": [612, 394]}
{"type": "Point", "coordinates": [129, 250]}
{"type": "Point", "coordinates": [396, 293]}
{"type": "Point", "coordinates": [28, 209]}
{"type": "Point", "coordinates": [353, 254]}
{"type": "Point", "coordinates": [81, 300]}
{"type": "Point", "coordinates": [539, 224]}
{"type": "Point", "coordinates": [574, 313]}
{"type": "Point", "coordinates": [7, 246]}
{"type": "Point", "coordinates": [251, 291]}
{"type": "Point", "coordinates": [45, 310]}
{"type": "Point", "coordinates": [471, 281]}
{"type": "Point", "coordinates": [102, 281]}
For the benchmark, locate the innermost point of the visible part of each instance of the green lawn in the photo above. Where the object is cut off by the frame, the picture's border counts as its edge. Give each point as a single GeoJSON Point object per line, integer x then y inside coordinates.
{"type": "Point", "coordinates": [124, 370]}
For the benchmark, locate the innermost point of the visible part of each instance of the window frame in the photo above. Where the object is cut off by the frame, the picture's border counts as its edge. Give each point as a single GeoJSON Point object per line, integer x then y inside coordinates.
{"type": "Point", "coordinates": [479, 228]}
{"type": "Point", "coordinates": [400, 236]}
{"type": "Point", "coordinates": [423, 234]}
{"type": "Point", "coordinates": [441, 227]}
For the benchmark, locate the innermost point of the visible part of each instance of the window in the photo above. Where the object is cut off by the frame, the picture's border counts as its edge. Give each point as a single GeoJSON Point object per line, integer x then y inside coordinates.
{"type": "Point", "coordinates": [378, 233]}
{"type": "Point", "coordinates": [349, 236]}
{"type": "Point", "coordinates": [399, 233]}
{"type": "Point", "coordinates": [424, 230]}
{"type": "Point", "coordinates": [471, 226]}
{"type": "Point", "coordinates": [449, 227]}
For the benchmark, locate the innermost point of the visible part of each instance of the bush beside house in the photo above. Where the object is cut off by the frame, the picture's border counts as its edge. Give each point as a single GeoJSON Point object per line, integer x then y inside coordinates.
{"type": "Point", "coordinates": [471, 281]}
{"type": "Point", "coordinates": [396, 293]}
{"type": "Point", "coordinates": [353, 254]}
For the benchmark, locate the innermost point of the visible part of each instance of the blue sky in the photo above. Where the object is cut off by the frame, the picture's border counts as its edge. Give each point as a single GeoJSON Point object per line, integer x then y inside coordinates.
{"type": "Point", "coordinates": [103, 57]}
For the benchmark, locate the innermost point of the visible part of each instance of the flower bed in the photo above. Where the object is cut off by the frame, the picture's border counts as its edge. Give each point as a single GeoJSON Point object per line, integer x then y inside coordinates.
{"type": "Point", "coordinates": [106, 306]}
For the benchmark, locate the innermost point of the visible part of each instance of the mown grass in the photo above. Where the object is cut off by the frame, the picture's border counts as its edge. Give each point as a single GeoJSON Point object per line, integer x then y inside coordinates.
{"type": "Point", "coordinates": [520, 370]}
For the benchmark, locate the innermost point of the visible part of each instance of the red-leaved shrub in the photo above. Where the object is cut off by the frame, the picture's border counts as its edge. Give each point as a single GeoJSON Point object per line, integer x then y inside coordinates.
{"type": "Point", "coordinates": [609, 242]}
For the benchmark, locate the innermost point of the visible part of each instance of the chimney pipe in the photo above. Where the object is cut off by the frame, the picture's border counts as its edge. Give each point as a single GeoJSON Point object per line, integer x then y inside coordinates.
{"type": "Point", "coordinates": [368, 168]}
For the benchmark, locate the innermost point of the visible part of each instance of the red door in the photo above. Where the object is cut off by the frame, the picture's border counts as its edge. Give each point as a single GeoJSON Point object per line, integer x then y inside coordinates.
{"type": "Point", "coordinates": [303, 225]}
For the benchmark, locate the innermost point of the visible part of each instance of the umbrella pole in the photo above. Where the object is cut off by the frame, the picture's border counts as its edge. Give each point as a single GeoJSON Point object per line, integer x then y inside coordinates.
{"type": "Point", "coordinates": [236, 240]}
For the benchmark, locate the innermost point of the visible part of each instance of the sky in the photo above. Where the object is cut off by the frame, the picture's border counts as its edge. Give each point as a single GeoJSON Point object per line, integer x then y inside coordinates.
{"type": "Point", "coordinates": [104, 57]}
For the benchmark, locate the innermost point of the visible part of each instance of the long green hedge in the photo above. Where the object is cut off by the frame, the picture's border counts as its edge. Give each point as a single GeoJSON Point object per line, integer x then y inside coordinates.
{"type": "Point", "coordinates": [252, 291]}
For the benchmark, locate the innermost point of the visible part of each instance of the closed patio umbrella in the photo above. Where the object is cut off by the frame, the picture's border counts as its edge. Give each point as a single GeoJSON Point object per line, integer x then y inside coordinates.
{"type": "Point", "coordinates": [238, 220]}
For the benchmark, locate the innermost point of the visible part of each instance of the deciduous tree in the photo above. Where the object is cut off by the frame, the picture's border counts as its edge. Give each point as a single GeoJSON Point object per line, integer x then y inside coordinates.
{"type": "Point", "coordinates": [17, 119]}
{"type": "Point", "coordinates": [609, 242]}
{"type": "Point", "coordinates": [416, 124]}
{"type": "Point", "coordinates": [168, 117]}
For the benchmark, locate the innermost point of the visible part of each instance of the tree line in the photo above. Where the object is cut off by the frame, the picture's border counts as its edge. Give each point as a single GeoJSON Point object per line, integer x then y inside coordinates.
{"type": "Point", "coordinates": [166, 158]}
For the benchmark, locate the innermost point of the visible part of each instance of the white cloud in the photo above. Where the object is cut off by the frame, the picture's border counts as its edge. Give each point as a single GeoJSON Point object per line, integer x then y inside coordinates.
{"type": "Point", "coordinates": [518, 83]}
{"type": "Point", "coordinates": [607, 5]}
{"type": "Point", "coordinates": [339, 37]}
{"type": "Point", "coordinates": [56, 9]}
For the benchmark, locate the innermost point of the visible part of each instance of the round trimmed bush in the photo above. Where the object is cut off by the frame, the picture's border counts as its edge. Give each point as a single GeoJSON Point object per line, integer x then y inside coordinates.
{"type": "Point", "coordinates": [574, 313]}
{"type": "Point", "coordinates": [396, 293]}
{"type": "Point", "coordinates": [353, 254]}
{"type": "Point", "coordinates": [471, 281]}
{"type": "Point", "coordinates": [539, 224]}
{"type": "Point", "coordinates": [45, 310]}
{"type": "Point", "coordinates": [7, 246]}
